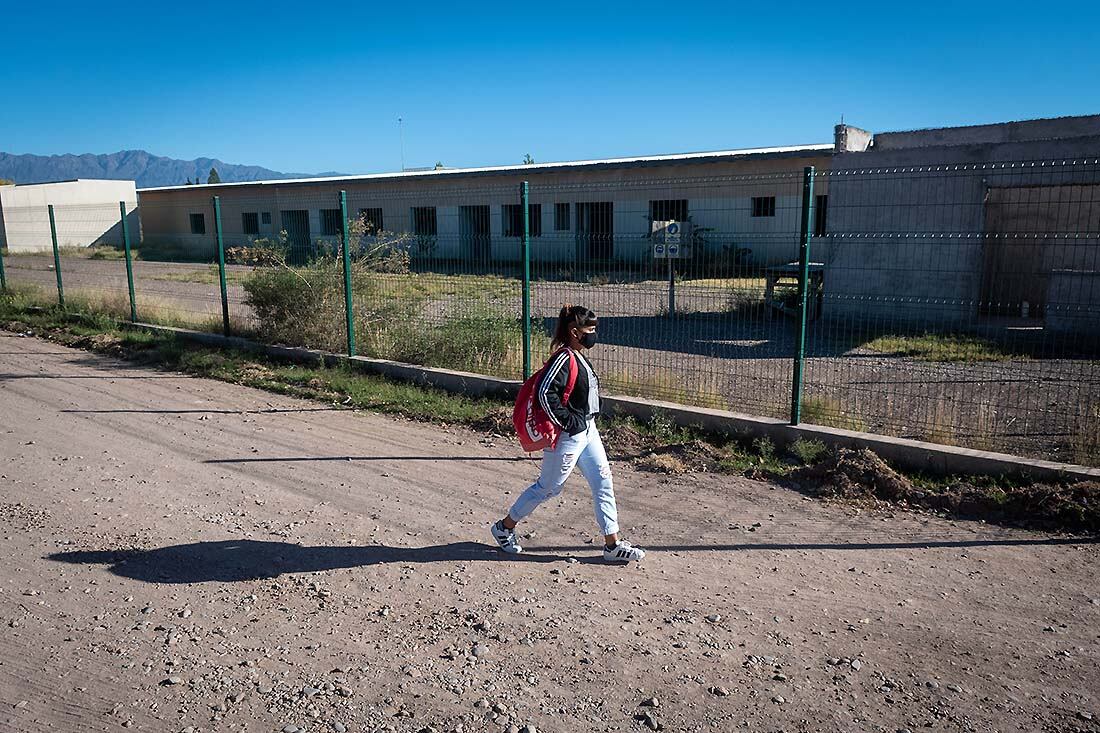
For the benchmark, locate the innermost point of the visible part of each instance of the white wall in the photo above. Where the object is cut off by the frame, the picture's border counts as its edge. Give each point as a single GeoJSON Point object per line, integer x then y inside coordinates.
{"type": "Point", "coordinates": [86, 213]}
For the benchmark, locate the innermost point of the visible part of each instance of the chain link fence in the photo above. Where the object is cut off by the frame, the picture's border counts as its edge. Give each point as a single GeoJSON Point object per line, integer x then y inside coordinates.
{"type": "Point", "coordinates": [958, 304]}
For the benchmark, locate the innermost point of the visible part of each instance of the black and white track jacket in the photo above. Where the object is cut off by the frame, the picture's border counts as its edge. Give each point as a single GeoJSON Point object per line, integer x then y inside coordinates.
{"type": "Point", "coordinates": [572, 417]}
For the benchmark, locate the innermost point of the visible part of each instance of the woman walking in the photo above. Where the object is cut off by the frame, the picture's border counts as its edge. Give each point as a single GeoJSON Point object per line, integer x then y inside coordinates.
{"type": "Point", "coordinates": [579, 444]}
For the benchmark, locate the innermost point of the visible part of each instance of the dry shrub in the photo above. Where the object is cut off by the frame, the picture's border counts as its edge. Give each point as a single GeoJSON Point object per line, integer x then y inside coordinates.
{"type": "Point", "coordinates": [259, 254]}
{"type": "Point", "coordinates": [830, 413]}
{"type": "Point", "coordinates": [104, 343]}
{"type": "Point", "coordinates": [853, 474]}
{"type": "Point", "coordinates": [660, 463]}
{"type": "Point", "coordinates": [623, 440]}
{"type": "Point", "coordinates": [1086, 436]}
{"type": "Point", "coordinates": [703, 390]}
{"type": "Point", "coordinates": [967, 425]}
{"type": "Point", "coordinates": [497, 421]}
{"type": "Point", "coordinates": [861, 475]}
{"type": "Point", "coordinates": [692, 456]}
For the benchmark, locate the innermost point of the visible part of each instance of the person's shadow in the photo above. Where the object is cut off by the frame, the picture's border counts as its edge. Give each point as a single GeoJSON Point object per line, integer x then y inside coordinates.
{"type": "Point", "coordinates": [228, 561]}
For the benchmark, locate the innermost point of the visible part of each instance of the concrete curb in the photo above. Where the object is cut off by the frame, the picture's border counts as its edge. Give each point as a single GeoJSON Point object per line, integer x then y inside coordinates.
{"type": "Point", "coordinates": [910, 455]}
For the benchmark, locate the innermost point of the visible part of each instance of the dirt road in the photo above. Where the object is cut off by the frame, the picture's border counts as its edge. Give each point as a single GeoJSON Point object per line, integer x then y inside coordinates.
{"type": "Point", "coordinates": [182, 554]}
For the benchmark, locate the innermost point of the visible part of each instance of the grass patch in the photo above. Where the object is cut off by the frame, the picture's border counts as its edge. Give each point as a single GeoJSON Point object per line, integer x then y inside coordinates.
{"type": "Point", "coordinates": [348, 387]}
{"type": "Point", "coordinates": [667, 385]}
{"type": "Point", "coordinates": [969, 425]}
{"type": "Point", "coordinates": [754, 284]}
{"type": "Point", "coordinates": [208, 276]}
{"type": "Point", "coordinates": [807, 451]}
{"type": "Point", "coordinates": [92, 252]}
{"type": "Point", "coordinates": [106, 308]}
{"type": "Point", "coordinates": [1085, 441]}
{"type": "Point", "coordinates": [453, 321]}
{"type": "Point", "coordinates": [830, 413]}
{"type": "Point", "coordinates": [746, 303]}
{"type": "Point", "coordinates": [661, 446]}
{"type": "Point", "coordinates": [108, 253]}
{"type": "Point", "coordinates": [18, 297]}
{"type": "Point", "coordinates": [754, 456]}
{"type": "Point", "coordinates": [943, 348]}
{"type": "Point", "coordinates": [663, 430]}
{"type": "Point", "coordinates": [457, 287]}
{"type": "Point", "coordinates": [341, 385]}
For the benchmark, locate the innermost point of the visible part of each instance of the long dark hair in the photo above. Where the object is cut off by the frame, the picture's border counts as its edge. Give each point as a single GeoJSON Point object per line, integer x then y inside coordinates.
{"type": "Point", "coordinates": [571, 316]}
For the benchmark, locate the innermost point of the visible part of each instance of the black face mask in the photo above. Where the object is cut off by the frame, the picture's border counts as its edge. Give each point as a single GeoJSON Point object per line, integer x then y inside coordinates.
{"type": "Point", "coordinates": [588, 340]}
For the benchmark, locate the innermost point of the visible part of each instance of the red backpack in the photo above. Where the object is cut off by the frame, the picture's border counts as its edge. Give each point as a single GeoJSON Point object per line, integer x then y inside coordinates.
{"type": "Point", "coordinates": [534, 427]}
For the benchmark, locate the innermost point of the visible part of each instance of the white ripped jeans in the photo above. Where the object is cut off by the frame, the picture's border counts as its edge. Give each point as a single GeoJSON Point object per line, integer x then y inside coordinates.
{"type": "Point", "coordinates": [585, 451]}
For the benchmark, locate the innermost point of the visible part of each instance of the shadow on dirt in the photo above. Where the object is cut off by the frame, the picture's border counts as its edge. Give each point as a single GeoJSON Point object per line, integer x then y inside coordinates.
{"type": "Point", "coordinates": [233, 561]}
{"type": "Point", "coordinates": [229, 561]}
{"type": "Point", "coordinates": [350, 458]}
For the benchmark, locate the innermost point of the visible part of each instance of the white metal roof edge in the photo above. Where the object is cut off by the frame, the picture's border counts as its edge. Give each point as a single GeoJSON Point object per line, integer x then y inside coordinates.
{"type": "Point", "coordinates": [73, 180]}
{"type": "Point", "coordinates": [818, 147]}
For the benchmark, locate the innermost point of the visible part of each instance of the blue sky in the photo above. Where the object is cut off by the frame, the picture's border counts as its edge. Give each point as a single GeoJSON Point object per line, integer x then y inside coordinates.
{"type": "Point", "coordinates": [309, 87]}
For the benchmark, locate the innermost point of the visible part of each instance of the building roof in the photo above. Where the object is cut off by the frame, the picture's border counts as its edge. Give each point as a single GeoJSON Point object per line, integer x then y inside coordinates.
{"type": "Point", "coordinates": [644, 161]}
{"type": "Point", "coordinates": [73, 180]}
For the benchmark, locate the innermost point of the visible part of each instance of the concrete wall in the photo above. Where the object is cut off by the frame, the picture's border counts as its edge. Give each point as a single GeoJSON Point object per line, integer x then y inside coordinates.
{"type": "Point", "coordinates": [1001, 133]}
{"type": "Point", "coordinates": [719, 196]}
{"type": "Point", "coordinates": [1074, 304]}
{"type": "Point", "coordinates": [86, 213]}
{"type": "Point", "coordinates": [907, 218]}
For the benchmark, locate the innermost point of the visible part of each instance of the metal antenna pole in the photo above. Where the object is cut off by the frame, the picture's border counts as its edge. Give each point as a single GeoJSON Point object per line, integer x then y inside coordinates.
{"type": "Point", "coordinates": [401, 132]}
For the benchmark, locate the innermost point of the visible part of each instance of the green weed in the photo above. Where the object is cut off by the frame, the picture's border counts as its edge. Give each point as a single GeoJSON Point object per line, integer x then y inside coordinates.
{"type": "Point", "coordinates": [943, 348]}
{"type": "Point", "coordinates": [807, 451]}
{"type": "Point", "coordinates": [764, 447]}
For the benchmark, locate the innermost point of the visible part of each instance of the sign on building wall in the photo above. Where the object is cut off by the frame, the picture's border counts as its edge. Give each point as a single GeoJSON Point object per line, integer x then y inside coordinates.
{"type": "Point", "coordinates": [671, 240]}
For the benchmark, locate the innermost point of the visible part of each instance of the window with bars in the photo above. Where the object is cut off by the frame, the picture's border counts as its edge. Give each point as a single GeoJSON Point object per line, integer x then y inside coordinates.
{"type": "Point", "coordinates": [424, 221]}
{"type": "Point", "coordinates": [561, 217]}
{"type": "Point", "coordinates": [513, 220]}
{"type": "Point", "coordinates": [372, 221]}
{"type": "Point", "coordinates": [198, 223]}
{"type": "Point", "coordinates": [668, 210]}
{"type": "Point", "coordinates": [821, 212]}
{"type": "Point", "coordinates": [763, 206]}
{"type": "Point", "coordinates": [330, 222]}
{"type": "Point", "coordinates": [250, 222]}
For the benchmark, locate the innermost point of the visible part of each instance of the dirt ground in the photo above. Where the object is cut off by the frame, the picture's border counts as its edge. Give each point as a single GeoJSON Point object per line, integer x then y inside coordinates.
{"type": "Point", "coordinates": [188, 555]}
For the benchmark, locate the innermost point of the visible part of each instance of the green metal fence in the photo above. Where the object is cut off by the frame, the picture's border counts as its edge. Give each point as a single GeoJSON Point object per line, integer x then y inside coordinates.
{"type": "Point", "coordinates": [956, 303]}
{"type": "Point", "coordinates": [72, 255]}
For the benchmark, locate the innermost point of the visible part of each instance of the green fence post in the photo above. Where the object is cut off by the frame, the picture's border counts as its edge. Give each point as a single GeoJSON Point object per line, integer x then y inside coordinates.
{"type": "Point", "coordinates": [349, 311]}
{"type": "Point", "coordinates": [221, 263]}
{"type": "Point", "coordinates": [56, 258]}
{"type": "Point", "coordinates": [671, 285]}
{"type": "Point", "coordinates": [3, 275]}
{"type": "Point", "coordinates": [525, 205]}
{"type": "Point", "coordinates": [803, 289]}
{"type": "Point", "coordinates": [129, 261]}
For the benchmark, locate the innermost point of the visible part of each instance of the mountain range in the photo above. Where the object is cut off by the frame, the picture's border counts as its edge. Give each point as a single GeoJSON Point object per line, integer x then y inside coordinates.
{"type": "Point", "coordinates": [136, 165]}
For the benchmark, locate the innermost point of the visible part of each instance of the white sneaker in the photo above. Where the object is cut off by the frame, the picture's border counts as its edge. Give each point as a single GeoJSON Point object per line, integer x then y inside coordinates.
{"type": "Point", "coordinates": [623, 552]}
{"type": "Point", "coordinates": [506, 538]}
